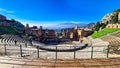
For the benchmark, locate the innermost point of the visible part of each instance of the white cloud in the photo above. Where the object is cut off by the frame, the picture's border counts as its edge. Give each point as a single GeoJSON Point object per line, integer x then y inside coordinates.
{"type": "Point", "coordinates": [49, 25]}
{"type": "Point", "coordinates": [6, 11]}
{"type": "Point", "coordinates": [10, 16]}
{"type": "Point", "coordinates": [39, 23]}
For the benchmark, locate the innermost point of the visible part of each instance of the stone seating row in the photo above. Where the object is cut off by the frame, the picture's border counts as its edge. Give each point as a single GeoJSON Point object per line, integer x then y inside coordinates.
{"type": "Point", "coordinates": [111, 39]}
{"type": "Point", "coordinates": [116, 34]}
{"type": "Point", "coordinates": [10, 39]}
{"type": "Point", "coordinates": [114, 42]}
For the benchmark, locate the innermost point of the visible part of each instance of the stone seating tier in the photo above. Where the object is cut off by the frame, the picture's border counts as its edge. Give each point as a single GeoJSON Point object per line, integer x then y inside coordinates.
{"type": "Point", "coordinates": [10, 39]}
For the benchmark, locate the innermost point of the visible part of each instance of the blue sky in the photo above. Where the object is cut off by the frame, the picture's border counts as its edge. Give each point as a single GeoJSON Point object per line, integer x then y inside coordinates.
{"type": "Point", "coordinates": [49, 12]}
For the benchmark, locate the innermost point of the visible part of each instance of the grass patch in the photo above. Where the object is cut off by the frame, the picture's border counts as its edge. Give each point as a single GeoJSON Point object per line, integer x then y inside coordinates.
{"type": "Point", "coordinates": [103, 32]}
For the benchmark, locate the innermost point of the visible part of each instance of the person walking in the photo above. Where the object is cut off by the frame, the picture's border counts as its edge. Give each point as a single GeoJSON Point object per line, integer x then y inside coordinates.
{"type": "Point", "coordinates": [25, 44]}
{"type": "Point", "coordinates": [15, 42]}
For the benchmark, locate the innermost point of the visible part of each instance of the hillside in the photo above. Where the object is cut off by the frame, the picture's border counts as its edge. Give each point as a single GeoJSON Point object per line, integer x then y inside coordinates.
{"type": "Point", "coordinates": [16, 24]}
{"type": "Point", "coordinates": [10, 26]}
{"type": "Point", "coordinates": [112, 18]}
{"type": "Point", "coordinates": [104, 32]}
{"type": "Point", "coordinates": [8, 30]}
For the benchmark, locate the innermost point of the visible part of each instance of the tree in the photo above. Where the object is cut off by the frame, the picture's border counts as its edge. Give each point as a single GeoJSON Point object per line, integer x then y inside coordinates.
{"type": "Point", "coordinates": [98, 26]}
{"type": "Point", "coordinates": [103, 25]}
{"type": "Point", "coordinates": [114, 18]}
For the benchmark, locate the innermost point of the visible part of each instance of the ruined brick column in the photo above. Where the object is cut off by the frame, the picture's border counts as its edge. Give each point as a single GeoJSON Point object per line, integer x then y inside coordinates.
{"type": "Point", "coordinates": [119, 17]}
{"type": "Point", "coordinates": [80, 34]}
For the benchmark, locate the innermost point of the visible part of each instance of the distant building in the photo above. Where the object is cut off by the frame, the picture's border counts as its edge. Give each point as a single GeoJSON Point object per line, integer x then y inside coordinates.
{"type": "Point", "coordinates": [38, 32]}
{"type": "Point", "coordinates": [75, 34]}
{"type": "Point", "coordinates": [34, 31]}
{"type": "Point", "coordinates": [50, 33]}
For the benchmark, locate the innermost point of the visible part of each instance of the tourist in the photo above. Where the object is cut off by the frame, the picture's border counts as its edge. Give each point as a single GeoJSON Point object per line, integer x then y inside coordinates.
{"type": "Point", "coordinates": [25, 44]}
{"type": "Point", "coordinates": [15, 42]}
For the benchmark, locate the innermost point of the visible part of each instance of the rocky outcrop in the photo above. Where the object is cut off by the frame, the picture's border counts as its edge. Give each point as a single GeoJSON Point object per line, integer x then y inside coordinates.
{"type": "Point", "coordinates": [112, 18]}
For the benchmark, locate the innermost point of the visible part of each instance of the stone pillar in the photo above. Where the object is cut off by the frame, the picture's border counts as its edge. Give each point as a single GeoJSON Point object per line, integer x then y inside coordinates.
{"type": "Point", "coordinates": [40, 31]}
{"type": "Point", "coordinates": [27, 31]}
{"type": "Point", "coordinates": [40, 27]}
{"type": "Point", "coordinates": [118, 25]}
{"type": "Point", "coordinates": [76, 27]}
{"type": "Point", "coordinates": [119, 17]}
{"type": "Point", "coordinates": [80, 34]}
{"type": "Point", "coordinates": [27, 25]}
{"type": "Point", "coordinates": [71, 35]}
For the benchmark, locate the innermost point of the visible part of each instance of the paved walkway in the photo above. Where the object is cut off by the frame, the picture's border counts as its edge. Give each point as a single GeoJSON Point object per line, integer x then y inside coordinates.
{"type": "Point", "coordinates": [12, 62]}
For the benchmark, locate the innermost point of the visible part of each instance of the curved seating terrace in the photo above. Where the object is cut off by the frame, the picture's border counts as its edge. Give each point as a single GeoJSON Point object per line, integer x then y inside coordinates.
{"type": "Point", "coordinates": [10, 39]}
{"type": "Point", "coordinates": [111, 39]}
